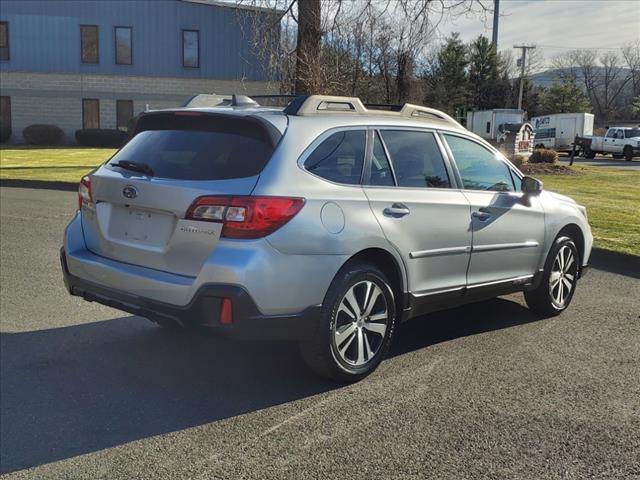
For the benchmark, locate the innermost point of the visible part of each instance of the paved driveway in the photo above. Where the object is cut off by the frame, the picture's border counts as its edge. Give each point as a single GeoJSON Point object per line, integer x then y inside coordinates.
{"type": "Point", "coordinates": [603, 161]}
{"type": "Point", "coordinates": [484, 391]}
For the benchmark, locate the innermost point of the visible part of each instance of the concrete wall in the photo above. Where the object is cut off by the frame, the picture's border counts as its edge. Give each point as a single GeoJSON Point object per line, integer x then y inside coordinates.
{"type": "Point", "coordinates": [57, 98]}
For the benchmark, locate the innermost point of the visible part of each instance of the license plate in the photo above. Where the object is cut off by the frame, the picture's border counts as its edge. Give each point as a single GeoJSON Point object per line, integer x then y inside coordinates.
{"type": "Point", "coordinates": [137, 225]}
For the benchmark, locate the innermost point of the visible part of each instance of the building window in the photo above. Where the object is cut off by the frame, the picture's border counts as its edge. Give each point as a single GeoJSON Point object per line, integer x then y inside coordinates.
{"type": "Point", "coordinates": [124, 113]}
{"type": "Point", "coordinates": [191, 48]}
{"type": "Point", "coordinates": [5, 112]}
{"type": "Point", "coordinates": [124, 45]}
{"type": "Point", "coordinates": [90, 113]}
{"type": "Point", "coordinates": [4, 40]}
{"type": "Point", "coordinates": [89, 43]}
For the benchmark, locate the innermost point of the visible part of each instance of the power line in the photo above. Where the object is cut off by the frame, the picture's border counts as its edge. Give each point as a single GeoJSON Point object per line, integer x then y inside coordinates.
{"type": "Point", "coordinates": [578, 48]}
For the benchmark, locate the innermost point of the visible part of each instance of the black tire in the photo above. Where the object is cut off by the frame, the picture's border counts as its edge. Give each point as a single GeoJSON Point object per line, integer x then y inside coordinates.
{"type": "Point", "coordinates": [588, 153]}
{"type": "Point", "coordinates": [321, 352]}
{"type": "Point", "coordinates": [544, 298]}
{"type": "Point", "coordinates": [628, 153]}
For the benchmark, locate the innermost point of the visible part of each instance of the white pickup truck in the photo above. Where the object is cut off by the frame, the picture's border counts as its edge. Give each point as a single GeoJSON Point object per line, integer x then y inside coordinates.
{"type": "Point", "coordinates": [618, 141]}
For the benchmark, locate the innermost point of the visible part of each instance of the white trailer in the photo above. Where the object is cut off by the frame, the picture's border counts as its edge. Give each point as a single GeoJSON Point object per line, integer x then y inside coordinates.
{"type": "Point", "coordinates": [558, 131]}
{"type": "Point", "coordinates": [486, 123]}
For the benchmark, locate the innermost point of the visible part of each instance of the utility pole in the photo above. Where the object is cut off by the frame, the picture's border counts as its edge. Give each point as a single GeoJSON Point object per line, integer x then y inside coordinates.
{"type": "Point", "coordinates": [496, 15]}
{"type": "Point", "coordinates": [523, 61]}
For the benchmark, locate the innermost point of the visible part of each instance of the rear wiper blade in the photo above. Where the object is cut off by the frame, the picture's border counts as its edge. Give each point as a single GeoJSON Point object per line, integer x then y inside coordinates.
{"type": "Point", "coordinates": [134, 166]}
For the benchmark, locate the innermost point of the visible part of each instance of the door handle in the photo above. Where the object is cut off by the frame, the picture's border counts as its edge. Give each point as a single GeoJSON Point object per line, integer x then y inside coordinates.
{"type": "Point", "coordinates": [397, 210]}
{"type": "Point", "coordinates": [482, 216]}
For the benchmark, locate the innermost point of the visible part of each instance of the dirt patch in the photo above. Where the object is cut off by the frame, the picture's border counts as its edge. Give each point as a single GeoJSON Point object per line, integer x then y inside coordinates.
{"type": "Point", "coordinates": [547, 169]}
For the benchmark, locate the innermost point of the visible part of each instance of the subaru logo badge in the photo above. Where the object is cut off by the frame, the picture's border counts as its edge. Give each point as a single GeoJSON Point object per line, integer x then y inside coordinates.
{"type": "Point", "coordinates": [130, 191]}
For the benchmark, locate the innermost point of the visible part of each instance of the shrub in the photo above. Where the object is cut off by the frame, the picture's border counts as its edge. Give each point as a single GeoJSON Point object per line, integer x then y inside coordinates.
{"type": "Point", "coordinates": [542, 155]}
{"type": "Point", "coordinates": [101, 137]}
{"type": "Point", "coordinates": [5, 133]}
{"type": "Point", "coordinates": [518, 160]}
{"type": "Point", "coordinates": [43, 134]}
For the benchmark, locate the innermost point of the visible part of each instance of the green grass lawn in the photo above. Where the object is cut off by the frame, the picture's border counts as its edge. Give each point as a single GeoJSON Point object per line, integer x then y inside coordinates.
{"type": "Point", "coordinates": [61, 164]}
{"type": "Point", "coordinates": [612, 197]}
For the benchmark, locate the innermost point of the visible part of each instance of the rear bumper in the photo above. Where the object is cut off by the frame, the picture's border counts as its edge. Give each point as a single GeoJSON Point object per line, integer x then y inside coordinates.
{"type": "Point", "coordinates": [202, 311]}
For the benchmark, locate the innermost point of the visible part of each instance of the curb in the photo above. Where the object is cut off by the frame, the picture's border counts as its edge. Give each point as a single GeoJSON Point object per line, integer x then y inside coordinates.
{"type": "Point", "coordinates": [44, 184]}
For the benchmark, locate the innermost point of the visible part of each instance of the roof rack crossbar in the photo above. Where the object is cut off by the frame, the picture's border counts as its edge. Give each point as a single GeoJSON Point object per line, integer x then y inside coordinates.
{"type": "Point", "coordinates": [383, 106]}
{"type": "Point", "coordinates": [319, 104]}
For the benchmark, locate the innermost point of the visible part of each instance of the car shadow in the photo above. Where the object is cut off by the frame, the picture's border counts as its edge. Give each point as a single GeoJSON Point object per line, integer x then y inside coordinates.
{"type": "Point", "coordinates": [615, 262]}
{"type": "Point", "coordinates": [74, 390]}
{"type": "Point", "coordinates": [471, 319]}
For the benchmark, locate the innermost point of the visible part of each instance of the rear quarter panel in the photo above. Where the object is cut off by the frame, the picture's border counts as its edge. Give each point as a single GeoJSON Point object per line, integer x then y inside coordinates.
{"type": "Point", "coordinates": [336, 220]}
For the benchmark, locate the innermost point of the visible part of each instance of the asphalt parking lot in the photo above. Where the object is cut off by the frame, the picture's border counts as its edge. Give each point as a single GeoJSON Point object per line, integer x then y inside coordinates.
{"type": "Point", "coordinates": [485, 391]}
{"type": "Point", "coordinates": [602, 161]}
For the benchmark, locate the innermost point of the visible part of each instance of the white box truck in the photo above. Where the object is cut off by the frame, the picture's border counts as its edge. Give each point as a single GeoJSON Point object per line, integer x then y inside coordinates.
{"type": "Point", "coordinates": [486, 123]}
{"type": "Point", "coordinates": [559, 130]}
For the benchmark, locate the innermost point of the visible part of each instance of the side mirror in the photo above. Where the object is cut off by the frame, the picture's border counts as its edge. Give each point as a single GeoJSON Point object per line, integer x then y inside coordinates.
{"type": "Point", "coordinates": [531, 186]}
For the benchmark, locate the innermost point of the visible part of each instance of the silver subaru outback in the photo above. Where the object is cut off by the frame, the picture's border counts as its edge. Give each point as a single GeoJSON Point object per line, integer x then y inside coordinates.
{"type": "Point", "coordinates": [327, 222]}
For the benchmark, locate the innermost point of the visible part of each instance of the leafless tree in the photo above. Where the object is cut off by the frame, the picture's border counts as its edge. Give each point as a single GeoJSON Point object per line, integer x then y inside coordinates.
{"type": "Point", "coordinates": [603, 77]}
{"type": "Point", "coordinates": [366, 47]}
{"type": "Point", "coordinates": [631, 56]}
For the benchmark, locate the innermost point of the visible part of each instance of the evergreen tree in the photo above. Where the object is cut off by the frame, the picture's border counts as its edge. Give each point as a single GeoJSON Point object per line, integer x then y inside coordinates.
{"type": "Point", "coordinates": [448, 82]}
{"type": "Point", "coordinates": [484, 75]}
{"type": "Point", "coordinates": [564, 96]}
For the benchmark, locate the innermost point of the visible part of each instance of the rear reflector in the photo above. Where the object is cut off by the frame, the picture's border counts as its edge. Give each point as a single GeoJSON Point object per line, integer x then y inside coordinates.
{"type": "Point", "coordinates": [226, 312]}
{"type": "Point", "coordinates": [245, 217]}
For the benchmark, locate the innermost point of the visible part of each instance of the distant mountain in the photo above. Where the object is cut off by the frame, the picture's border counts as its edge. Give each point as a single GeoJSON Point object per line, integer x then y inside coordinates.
{"type": "Point", "coordinates": [547, 77]}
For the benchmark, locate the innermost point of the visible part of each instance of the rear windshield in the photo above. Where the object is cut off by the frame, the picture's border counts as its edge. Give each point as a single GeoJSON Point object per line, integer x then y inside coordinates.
{"type": "Point", "coordinates": [198, 147]}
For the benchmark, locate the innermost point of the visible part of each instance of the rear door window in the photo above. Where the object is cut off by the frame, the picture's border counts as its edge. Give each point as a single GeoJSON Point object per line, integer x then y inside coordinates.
{"type": "Point", "coordinates": [198, 148]}
{"type": "Point", "coordinates": [339, 158]}
{"type": "Point", "coordinates": [416, 159]}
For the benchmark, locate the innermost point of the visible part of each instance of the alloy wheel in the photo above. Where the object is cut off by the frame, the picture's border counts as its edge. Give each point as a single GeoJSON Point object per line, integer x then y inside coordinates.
{"type": "Point", "coordinates": [563, 276]}
{"type": "Point", "coordinates": [361, 323]}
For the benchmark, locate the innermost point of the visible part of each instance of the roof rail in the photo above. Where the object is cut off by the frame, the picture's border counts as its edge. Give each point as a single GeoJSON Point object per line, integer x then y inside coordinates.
{"type": "Point", "coordinates": [319, 104]}
{"type": "Point", "coordinates": [410, 110]}
{"type": "Point", "coordinates": [209, 100]}
{"type": "Point", "coordinates": [322, 104]}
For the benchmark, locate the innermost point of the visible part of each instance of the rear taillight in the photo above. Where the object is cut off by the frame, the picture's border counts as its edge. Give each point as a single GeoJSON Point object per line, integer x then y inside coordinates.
{"type": "Point", "coordinates": [245, 217]}
{"type": "Point", "coordinates": [84, 192]}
